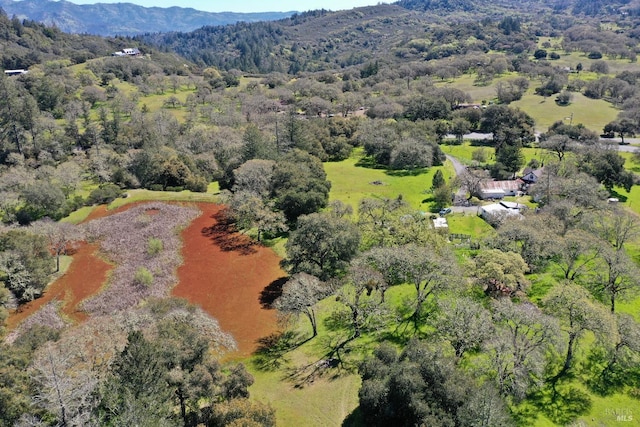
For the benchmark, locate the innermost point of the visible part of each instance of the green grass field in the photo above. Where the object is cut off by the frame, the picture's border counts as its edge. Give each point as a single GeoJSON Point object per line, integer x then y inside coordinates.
{"type": "Point", "coordinates": [351, 183]}
{"type": "Point", "coordinates": [593, 113]}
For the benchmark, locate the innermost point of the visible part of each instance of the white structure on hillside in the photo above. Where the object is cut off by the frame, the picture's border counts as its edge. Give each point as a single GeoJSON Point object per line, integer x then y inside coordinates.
{"type": "Point", "coordinates": [15, 72]}
{"type": "Point", "coordinates": [128, 52]}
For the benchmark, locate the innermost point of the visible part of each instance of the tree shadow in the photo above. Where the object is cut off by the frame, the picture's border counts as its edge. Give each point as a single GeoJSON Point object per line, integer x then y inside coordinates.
{"type": "Point", "coordinates": [562, 403]}
{"type": "Point", "coordinates": [369, 163]}
{"type": "Point", "coordinates": [605, 379]}
{"type": "Point", "coordinates": [406, 172]}
{"type": "Point", "coordinates": [225, 235]}
{"type": "Point", "coordinates": [272, 292]}
{"type": "Point", "coordinates": [272, 349]}
{"type": "Point", "coordinates": [354, 419]}
{"type": "Point", "coordinates": [481, 143]}
{"type": "Point", "coordinates": [333, 363]}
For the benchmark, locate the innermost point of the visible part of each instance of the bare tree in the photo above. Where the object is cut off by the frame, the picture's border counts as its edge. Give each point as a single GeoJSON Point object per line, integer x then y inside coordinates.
{"type": "Point", "coordinates": [63, 388]}
{"type": "Point", "coordinates": [299, 296]}
{"type": "Point", "coordinates": [62, 236]}
{"type": "Point", "coordinates": [578, 313]}
{"type": "Point", "coordinates": [517, 351]}
{"type": "Point", "coordinates": [465, 323]}
{"type": "Point", "coordinates": [472, 180]}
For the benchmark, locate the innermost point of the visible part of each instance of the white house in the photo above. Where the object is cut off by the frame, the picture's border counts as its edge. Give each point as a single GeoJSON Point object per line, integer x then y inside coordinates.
{"type": "Point", "coordinates": [128, 52]}
{"type": "Point", "coordinates": [15, 72]}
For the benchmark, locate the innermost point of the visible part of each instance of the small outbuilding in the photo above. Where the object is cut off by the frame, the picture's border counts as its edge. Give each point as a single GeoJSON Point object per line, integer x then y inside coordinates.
{"type": "Point", "coordinates": [441, 223]}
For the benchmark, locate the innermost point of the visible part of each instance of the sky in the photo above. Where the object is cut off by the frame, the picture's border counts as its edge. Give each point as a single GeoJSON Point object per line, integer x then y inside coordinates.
{"type": "Point", "coordinates": [246, 6]}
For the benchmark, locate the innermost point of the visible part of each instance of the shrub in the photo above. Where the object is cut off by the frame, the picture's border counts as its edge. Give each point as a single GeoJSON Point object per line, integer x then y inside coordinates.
{"type": "Point", "coordinates": [479, 155]}
{"type": "Point", "coordinates": [154, 246]}
{"type": "Point", "coordinates": [143, 277]}
{"type": "Point", "coordinates": [540, 54]}
{"type": "Point", "coordinates": [564, 98]}
{"type": "Point", "coordinates": [104, 194]}
{"type": "Point", "coordinates": [197, 184]}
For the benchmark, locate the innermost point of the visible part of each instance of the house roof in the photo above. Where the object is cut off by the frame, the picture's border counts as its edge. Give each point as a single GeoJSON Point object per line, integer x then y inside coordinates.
{"type": "Point", "coordinates": [499, 208]}
{"type": "Point", "coordinates": [532, 175]}
{"type": "Point", "coordinates": [512, 205]}
{"type": "Point", "coordinates": [508, 185]}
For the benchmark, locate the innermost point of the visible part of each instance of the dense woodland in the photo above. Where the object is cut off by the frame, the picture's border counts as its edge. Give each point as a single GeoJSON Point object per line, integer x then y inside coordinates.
{"type": "Point", "coordinates": [440, 334]}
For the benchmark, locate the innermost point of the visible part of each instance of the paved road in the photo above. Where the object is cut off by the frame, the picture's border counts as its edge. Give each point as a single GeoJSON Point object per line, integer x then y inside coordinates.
{"type": "Point", "coordinates": [459, 167]}
{"type": "Point", "coordinates": [631, 144]}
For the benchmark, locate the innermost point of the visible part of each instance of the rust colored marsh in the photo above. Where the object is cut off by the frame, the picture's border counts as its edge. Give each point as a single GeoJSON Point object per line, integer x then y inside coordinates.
{"type": "Point", "coordinates": [85, 276]}
{"type": "Point", "coordinates": [225, 273]}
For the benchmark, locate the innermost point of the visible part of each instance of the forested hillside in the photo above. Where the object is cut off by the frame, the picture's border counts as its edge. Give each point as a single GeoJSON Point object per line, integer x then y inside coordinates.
{"type": "Point", "coordinates": [320, 40]}
{"type": "Point", "coordinates": [319, 190]}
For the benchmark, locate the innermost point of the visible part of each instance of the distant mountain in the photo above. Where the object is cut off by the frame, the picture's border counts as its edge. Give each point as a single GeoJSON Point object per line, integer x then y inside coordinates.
{"type": "Point", "coordinates": [110, 19]}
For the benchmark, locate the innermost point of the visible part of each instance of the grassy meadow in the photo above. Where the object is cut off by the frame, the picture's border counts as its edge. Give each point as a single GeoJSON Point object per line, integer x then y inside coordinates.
{"type": "Point", "coordinates": [352, 182]}
{"type": "Point", "coordinates": [593, 113]}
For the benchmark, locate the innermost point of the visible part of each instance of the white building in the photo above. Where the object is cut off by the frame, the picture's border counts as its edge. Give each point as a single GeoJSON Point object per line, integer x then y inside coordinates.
{"type": "Point", "coordinates": [501, 209]}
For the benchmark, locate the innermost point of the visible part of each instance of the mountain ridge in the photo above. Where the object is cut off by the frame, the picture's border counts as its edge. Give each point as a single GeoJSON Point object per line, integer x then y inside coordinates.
{"type": "Point", "coordinates": [106, 19]}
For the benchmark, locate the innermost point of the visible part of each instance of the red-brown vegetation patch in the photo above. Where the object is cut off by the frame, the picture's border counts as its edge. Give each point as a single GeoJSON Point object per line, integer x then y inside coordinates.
{"type": "Point", "coordinates": [85, 276]}
{"type": "Point", "coordinates": [225, 273]}
{"type": "Point", "coordinates": [98, 212]}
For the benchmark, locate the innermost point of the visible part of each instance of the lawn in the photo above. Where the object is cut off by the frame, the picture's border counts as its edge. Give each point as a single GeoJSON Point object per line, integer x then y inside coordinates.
{"type": "Point", "coordinates": [470, 224]}
{"type": "Point", "coordinates": [593, 113]}
{"type": "Point", "coordinates": [330, 397]}
{"type": "Point", "coordinates": [351, 183]}
{"type": "Point", "coordinates": [141, 195]}
{"type": "Point", "coordinates": [478, 93]}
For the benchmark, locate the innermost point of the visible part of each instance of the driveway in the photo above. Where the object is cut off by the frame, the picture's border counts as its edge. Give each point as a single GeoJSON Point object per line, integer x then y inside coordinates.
{"type": "Point", "coordinates": [461, 195]}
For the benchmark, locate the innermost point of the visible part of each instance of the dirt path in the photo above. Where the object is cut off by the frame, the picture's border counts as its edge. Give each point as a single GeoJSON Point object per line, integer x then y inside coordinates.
{"type": "Point", "coordinates": [225, 273]}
